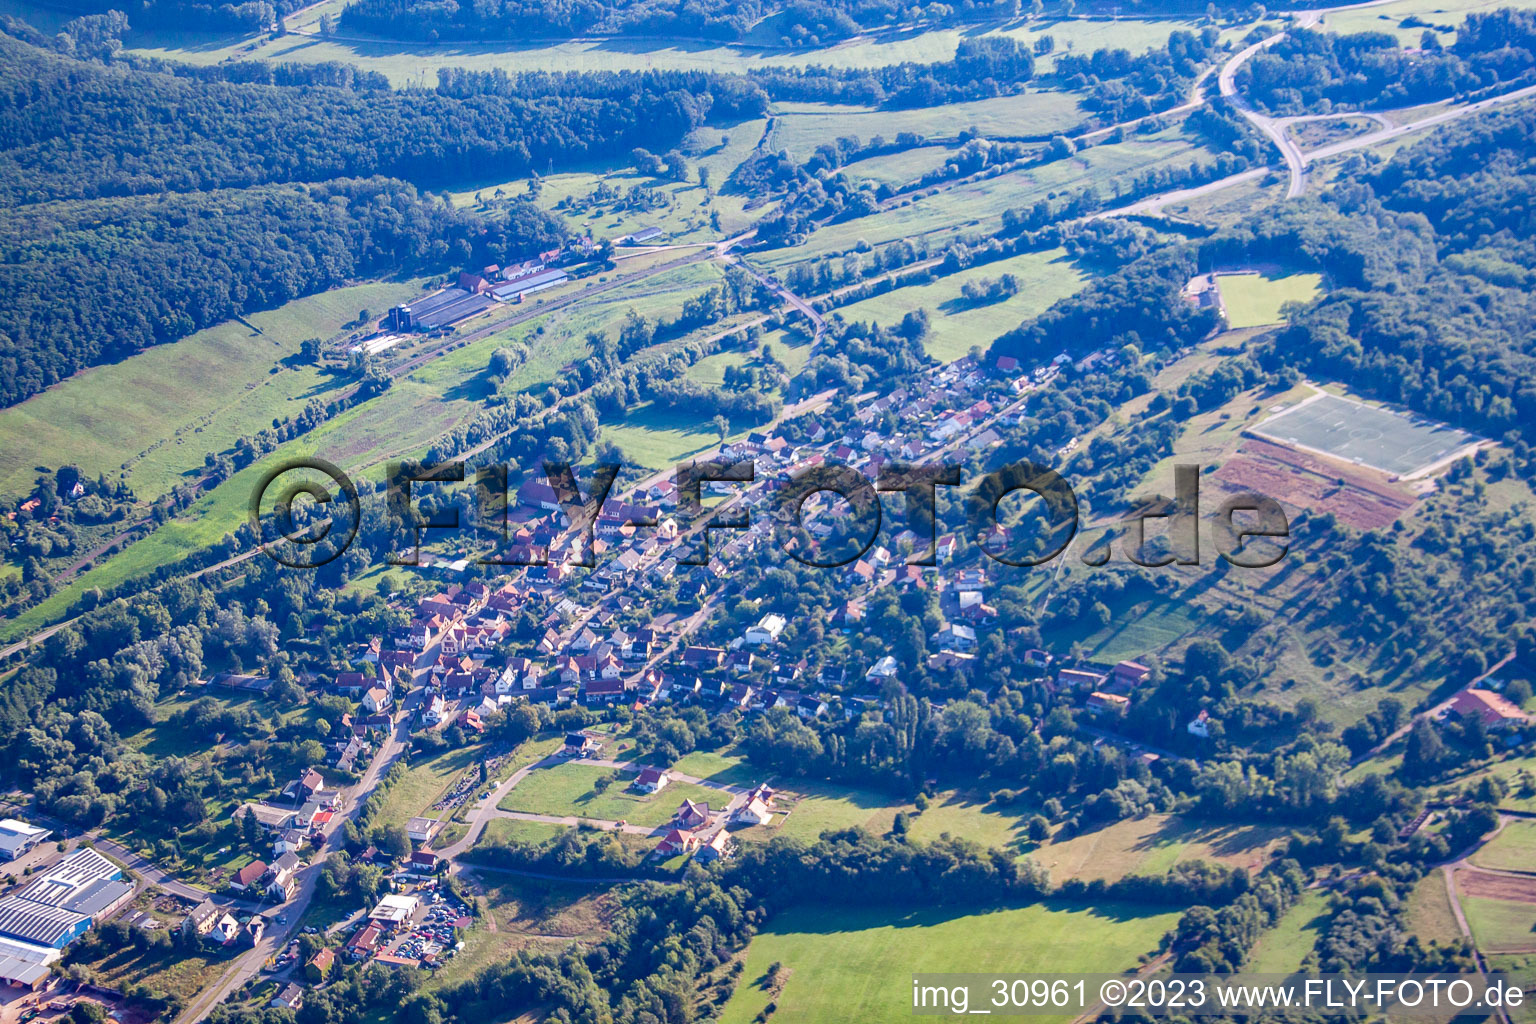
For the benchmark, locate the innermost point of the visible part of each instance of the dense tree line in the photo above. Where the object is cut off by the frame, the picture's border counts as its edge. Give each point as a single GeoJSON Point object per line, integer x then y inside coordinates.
{"type": "Point", "coordinates": [982, 66]}
{"type": "Point", "coordinates": [76, 130]}
{"type": "Point", "coordinates": [799, 23]}
{"type": "Point", "coordinates": [1122, 85]}
{"type": "Point", "coordinates": [1310, 71]}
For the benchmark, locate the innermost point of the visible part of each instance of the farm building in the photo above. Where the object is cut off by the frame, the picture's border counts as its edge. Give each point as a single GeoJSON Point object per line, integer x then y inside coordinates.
{"type": "Point", "coordinates": [513, 291]}
{"type": "Point", "coordinates": [642, 237]}
{"type": "Point", "coordinates": [445, 307]}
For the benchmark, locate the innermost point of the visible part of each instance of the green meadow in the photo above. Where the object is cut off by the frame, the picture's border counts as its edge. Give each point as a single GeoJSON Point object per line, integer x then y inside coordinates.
{"type": "Point", "coordinates": [955, 325]}
{"type": "Point", "coordinates": [851, 966]}
{"type": "Point", "coordinates": [155, 415]}
{"type": "Point", "coordinates": [1255, 300]}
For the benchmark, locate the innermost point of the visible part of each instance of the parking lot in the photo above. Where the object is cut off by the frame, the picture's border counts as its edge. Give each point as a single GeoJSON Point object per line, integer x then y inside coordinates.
{"type": "Point", "coordinates": [433, 935]}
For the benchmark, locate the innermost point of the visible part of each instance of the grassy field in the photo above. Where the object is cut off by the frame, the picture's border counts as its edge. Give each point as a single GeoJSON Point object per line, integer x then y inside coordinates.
{"type": "Point", "coordinates": [1028, 114]}
{"type": "Point", "coordinates": [1430, 916]}
{"type": "Point", "coordinates": [955, 326]}
{"type": "Point", "coordinates": [156, 414]}
{"type": "Point", "coordinates": [511, 830]}
{"type": "Point", "coordinates": [1282, 949]}
{"type": "Point", "coordinates": [414, 63]}
{"type": "Point", "coordinates": [980, 204]}
{"type": "Point", "coordinates": [1254, 300]}
{"type": "Point", "coordinates": [967, 816]}
{"type": "Point", "coordinates": [1500, 925]}
{"type": "Point", "coordinates": [1389, 17]}
{"type": "Point", "coordinates": [424, 781]}
{"type": "Point", "coordinates": [657, 439]}
{"type": "Point", "coordinates": [723, 769]}
{"type": "Point", "coordinates": [897, 169]}
{"type": "Point", "coordinates": [1513, 849]}
{"type": "Point", "coordinates": [842, 965]}
{"type": "Point", "coordinates": [815, 807]}
{"type": "Point", "coordinates": [1152, 845]}
{"type": "Point", "coordinates": [568, 790]}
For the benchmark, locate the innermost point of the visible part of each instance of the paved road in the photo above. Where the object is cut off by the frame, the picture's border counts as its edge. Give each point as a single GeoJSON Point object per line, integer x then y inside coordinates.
{"type": "Point", "coordinates": [246, 967]}
{"type": "Point", "coordinates": [488, 809]}
{"type": "Point", "coordinates": [1276, 132]}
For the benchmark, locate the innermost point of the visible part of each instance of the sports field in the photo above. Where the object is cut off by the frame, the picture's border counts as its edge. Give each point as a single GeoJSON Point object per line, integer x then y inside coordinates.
{"type": "Point", "coordinates": [842, 965]}
{"type": "Point", "coordinates": [1254, 300]}
{"type": "Point", "coordinates": [1364, 434]}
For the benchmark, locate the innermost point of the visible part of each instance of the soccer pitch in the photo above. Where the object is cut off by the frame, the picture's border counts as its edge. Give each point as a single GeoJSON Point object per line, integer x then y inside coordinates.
{"type": "Point", "coordinates": [1364, 434]}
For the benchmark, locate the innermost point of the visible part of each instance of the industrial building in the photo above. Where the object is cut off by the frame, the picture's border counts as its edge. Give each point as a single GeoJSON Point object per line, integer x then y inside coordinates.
{"type": "Point", "coordinates": [54, 909]}
{"type": "Point", "coordinates": [17, 838]}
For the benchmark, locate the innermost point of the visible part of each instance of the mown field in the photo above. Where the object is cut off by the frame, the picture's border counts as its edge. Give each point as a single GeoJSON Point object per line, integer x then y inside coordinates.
{"type": "Point", "coordinates": [956, 325]}
{"type": "Point", "coordinates": [856, 965]}
{"type": "Point", "coordinates": [1255, 300]}
{"type": "Point", "coordinates": [1513, 849]}
{"type": "Point", "coordinates": [155, 415]}
{"type": "Point", "coordinates": [1501, 925]}
{"type": "Point", "coordinates": [571, 790]}
{"type": "Point", "coordinates": [1282, 949]}
{"type": "Point", "coordinates": [1036, 113]}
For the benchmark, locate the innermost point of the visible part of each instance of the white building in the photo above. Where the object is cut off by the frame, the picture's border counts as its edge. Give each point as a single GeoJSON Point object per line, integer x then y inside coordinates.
{"type": "Point", "coordinates": [17, 838]}
{"type": "Point", "coordinates": [767, 630]}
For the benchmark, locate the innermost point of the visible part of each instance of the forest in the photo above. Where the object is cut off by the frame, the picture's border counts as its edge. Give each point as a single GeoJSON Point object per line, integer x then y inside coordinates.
{"type": "Point", "coordinates": [1314, 72]}
{"type": "Point", "coordinates": [72, 129]}
{"type": "Point", "coordinates": [799, 23]}
{"type": "Point", "coordinates": [192, 209]}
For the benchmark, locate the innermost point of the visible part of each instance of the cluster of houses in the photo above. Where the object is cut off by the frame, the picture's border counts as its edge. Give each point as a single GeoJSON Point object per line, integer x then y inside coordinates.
{"type": "Point", "coordinates": [699, 831]}
{"type": "Point", "coordinates": [453, 644]}
{"type": "Point", "coordinates": [295, 817]}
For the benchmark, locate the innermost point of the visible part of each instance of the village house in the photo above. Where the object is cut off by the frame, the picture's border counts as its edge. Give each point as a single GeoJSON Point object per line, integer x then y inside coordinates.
{"type": "Point", "coordinates": [1076, 679]}
{"type": "Point", "coordinates": [200, 921]}
{"type": "Point", "coordinates": [677, 841]}
{"type": "Point", "coordinates": [719, 846]}
{"type": "Point", "coordinates": [290, 998]}
{"type": "Point", "coordinates": [1494, 709]}
{"type": "Point", "coordinates": [319, 966]}
{"type": "Point", "coordinates": [703, 658]}
{"type": "Point", "coordinates": [692, 815]}
{"type": "Point", "coordinates": [249, 878]}
{"type": "Point", "coordinates": [1129, 674]}
{"type": "Point", "coordinates": [225, 931]}
{"type": "Point", "coordinates": [753, 812]}
{"type": "Point", "coordinates": [652, 780]}
{"type": "Point", "coordinates": [602, 691]}
{"type": "Point", "coordinates": [767, 630]}
{"type": "Point", "coordinates": [376, 700]}
{"type": "Point", "coordinates": [280, 881]}
{"type": "Point", "coordinates": [1107, 703]}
